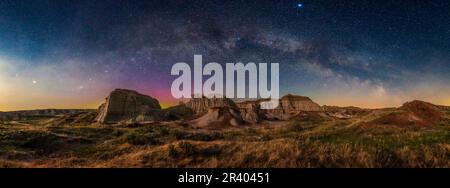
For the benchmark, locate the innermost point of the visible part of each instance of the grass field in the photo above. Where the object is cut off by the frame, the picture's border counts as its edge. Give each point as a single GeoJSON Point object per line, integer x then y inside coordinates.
{"type": "Point", "coordinates": [298, 143]}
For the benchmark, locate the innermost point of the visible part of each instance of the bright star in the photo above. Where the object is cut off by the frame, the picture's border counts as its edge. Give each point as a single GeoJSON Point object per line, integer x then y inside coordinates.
{"type": "Point", "coordinates": [299, 5]}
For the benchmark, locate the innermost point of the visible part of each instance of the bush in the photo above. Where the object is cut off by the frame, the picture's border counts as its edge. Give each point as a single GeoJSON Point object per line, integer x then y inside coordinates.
{"type": "Point", "coordinates": [142, 139]}
{"type": "Point", "coordinates": [148, 135]}
{"type": "Point", "coordinates": [187, 148]}
{"type": "Point", "coordinates": [296, 126]}
{"type": "Point", "coordinates": [173, 151]}
{"type": "Point", "coordinates": [39, 141]}
{"type": "Point", "coordinates": [160, 135]}
{"type": "Point", "coordinates": [204, 136]}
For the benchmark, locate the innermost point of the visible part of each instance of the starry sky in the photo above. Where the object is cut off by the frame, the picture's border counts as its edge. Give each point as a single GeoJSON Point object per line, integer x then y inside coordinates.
{"type": "Point", "coordinates": [367, 53]}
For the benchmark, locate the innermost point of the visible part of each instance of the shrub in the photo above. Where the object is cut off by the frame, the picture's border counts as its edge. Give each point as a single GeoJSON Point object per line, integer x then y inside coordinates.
{"type": "Point", "coordinates": [153, 135]}
{"type": "Point", "coordinates": [296, 126]}
{"type": "Point", "coordinates": [204, 136]}
{"type": "Point", "coordinates": [187, 148]}
{"type": "Point", "coordinates": [142, 139]}
{"type": "Point", "coordinates": [172, 151]}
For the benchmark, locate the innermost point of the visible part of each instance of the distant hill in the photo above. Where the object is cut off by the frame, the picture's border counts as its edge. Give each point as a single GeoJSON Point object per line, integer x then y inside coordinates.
{"type": "Point", "coordinates": [414, 113]}
{"type": "Point", "coordinates": [18, 115]}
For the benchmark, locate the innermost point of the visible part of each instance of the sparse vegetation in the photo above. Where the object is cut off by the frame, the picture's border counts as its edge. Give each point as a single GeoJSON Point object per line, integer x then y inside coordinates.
{"type": "Point", "coordinates": [306, 142]}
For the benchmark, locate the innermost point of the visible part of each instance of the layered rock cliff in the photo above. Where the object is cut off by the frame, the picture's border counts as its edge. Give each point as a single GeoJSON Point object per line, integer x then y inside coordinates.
{"type": "Point", "coordinates": [289, 107]}
{"type": "Point", "coordinates": [202, 105]}
{"type": "Point", "coordinates": [122, 104]}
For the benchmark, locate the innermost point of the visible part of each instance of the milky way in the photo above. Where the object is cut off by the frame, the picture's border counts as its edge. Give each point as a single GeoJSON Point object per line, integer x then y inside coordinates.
{"type": "Point", "coordinates": [70, 54]}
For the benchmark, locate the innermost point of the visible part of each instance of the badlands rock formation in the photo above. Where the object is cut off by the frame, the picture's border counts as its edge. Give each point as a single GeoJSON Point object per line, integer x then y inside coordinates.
{"type": "Point", "coordinates": [289, 107]}
{"type": "Point", "coordinates": [219, 117]}
{"type": "Point", "coordinates": [202, 105]}
{"type": "Point", "coordinates": [122, 104]}
{"type": "Point", "coordinates": [299, 103]}
{"type": "Point", "coordinates": [250, 111]}
{"type": "Point", "coordinates": [130, 106]}
{"type": "Point", "coordinates": [177, 112]}
{"type": "Point", "coordinates": [215, 112]}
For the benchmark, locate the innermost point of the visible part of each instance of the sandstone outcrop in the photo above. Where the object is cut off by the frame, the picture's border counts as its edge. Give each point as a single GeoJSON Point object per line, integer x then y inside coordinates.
{"type": "Point", "coordinates": [291, 106]}
{"type": "Point", "coordinates": [250, 111]}
{"type": "Point", "coordinates": [203, 104]}
{"type": "Point", "coordinates": [215, 113]}
{"type": "Point", "coordinates": [218, 118]}
{"type": "Point", "coordinates": [299, 103]}
{"type": "Point", "coordinates": [123, 105]}
{"type": "Point", "coordinates": [178, 112]}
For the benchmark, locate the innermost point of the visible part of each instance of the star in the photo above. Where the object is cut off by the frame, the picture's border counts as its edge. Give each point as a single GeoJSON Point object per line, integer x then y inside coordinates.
{"type": "Point", "coordinates": [299, 5]}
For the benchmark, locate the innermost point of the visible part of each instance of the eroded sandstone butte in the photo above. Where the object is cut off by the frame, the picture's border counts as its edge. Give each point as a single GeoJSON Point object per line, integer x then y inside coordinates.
{"type": "Point", "coordinates": [123, 104]}
{"type": "Point", "coordinates": [289, 107]}
{"type": "Point", "coordinates": [203, 104]}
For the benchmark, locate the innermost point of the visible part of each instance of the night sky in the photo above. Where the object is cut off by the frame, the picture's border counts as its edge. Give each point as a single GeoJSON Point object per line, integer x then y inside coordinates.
{"type": "Point", "coordinates": [71, 54]}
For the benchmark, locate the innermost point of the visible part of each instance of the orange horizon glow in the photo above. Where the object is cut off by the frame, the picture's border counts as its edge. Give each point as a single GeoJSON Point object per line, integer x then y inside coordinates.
{"type": "Point", "coordinates": [166, 104]}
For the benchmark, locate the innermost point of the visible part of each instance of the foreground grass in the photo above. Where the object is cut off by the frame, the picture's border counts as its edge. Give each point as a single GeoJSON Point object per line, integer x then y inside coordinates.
{"type": "Point", "coordinates": [309, 143]}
